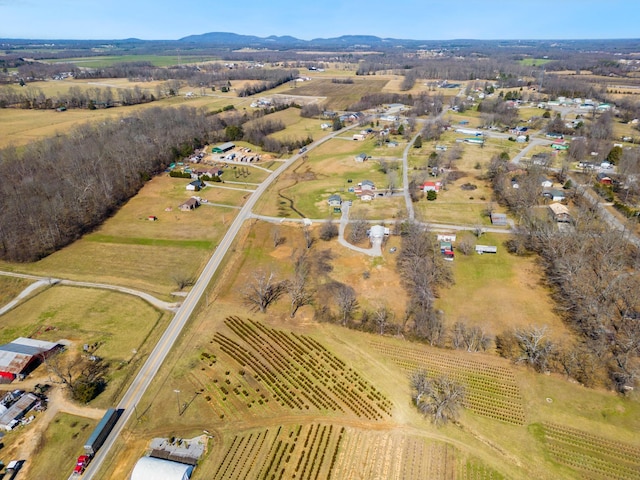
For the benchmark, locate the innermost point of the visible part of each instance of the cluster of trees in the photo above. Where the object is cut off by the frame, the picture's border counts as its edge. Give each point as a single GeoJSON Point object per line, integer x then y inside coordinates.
{"type": "Point", "coordinates": [91, 98]}
{"type": "Point", "coordinates": [439, 398]}
{"type": "Point", "coordinates": [57, 189]}
{"type": "Point", "coordinates": [594, 271]}
{"type": "Point", "coordinates": [496, 111]}
{"type": "Point", "coordinates": [423, 270]}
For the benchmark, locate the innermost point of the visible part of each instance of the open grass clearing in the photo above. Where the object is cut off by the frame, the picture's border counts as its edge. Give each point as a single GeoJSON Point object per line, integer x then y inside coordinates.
{"type": "Point", "coordinates": [308, 184]}
{"type": "Point", "coordinates": [20, 127]}
{"type": "Point", "coordinates": [60, 446]}
{"type": "Point", "coordinates": [125, 328]}
{"type": "Point", "coordinates": [510, 287]}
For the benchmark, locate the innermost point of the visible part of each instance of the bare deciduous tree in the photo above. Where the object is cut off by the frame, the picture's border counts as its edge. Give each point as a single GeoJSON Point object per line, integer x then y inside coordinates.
{"type": "Point", "coordinates": [472, 339]}
{"type": "Point", "coordinates": [440, 398]}
{"type": "Point", "coordinates": [535, 347]}
{"type": "Point", "coordinates": [381, 316]}
{"type": "Point", "coordinates": [347, 302]}
{"type": "Point", "coordinates": [328, 230]}
{"type": "Point", "coordinates": [309, 239]}
{"type": "Point", "coordinates": [277, 237]}
{"type": "Point", "coordinates": [263, 291]}
{"type": "Point", "coordinates": [359, 229]}
{"type": "Point", "coordinates": [82, 375]}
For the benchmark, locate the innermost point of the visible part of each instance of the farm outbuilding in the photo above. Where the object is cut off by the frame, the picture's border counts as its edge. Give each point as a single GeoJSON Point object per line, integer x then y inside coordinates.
{"type": "Point", "coordinates": [21, 356]}
{"type": "Point", "coordinates": [150, 468]}
{"type": "Point", "coordinates": [223, 148]}
{"type": "Point", "coordinates": [499, 219]}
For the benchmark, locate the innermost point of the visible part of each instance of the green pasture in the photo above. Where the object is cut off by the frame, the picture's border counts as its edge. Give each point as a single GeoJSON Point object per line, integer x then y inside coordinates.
{"type": "Point", "coordinates": [534, 62]}
{"type": "Point", "coordinates": [130, 250]}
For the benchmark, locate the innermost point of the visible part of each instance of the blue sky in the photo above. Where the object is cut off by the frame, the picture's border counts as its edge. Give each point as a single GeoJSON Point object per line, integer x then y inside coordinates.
{"type": "Point", "coordinates": [307, 19]}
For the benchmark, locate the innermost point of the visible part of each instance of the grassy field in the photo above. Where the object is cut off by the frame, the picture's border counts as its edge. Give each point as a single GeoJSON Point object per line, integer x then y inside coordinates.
{"type": "Point", "coordinates": [60, 446]}
{"type": "Point", "coordinates": [130, 250]}
{"type": "Point", "coordinates": [20, 127]}
{"type": "Point", "coordinates": [328, 169]}
{"type": "Point", "coordinates": [508, 286]}
{"type": "Point", "coordinates": [87, 316]}
{"type": "Point", "coordinates": [10, 287]}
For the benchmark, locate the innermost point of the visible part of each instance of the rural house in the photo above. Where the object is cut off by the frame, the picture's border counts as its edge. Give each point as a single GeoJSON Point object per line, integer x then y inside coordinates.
{"type": "Point", "coordinates": [560, 213]}
{"type": "Point", "coordinates": [361, 157]}
{"type": "Point", "coordinates": [431, 187]}
{"type": "Point", "coordinates": [499, 219]}
{"type": "Point", "coordinates": [604, 179]}
{"type": "Point", "coordinates": [195, 186]}
{"type": "Point", "coordinates": [335, 200]}
{"type": "Point", "coordinates": [554, 194]}
{"type": "Point", "coordinates": [190, 204]}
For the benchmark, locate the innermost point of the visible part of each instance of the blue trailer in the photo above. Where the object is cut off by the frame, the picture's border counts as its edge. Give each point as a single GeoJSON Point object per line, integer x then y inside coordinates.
{"type": "Point", "coordinates": [102, 430]}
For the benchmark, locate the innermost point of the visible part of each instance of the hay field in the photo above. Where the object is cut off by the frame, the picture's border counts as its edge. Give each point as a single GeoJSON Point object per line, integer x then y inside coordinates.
{"type": "Point", "coordinates": [10, 287]}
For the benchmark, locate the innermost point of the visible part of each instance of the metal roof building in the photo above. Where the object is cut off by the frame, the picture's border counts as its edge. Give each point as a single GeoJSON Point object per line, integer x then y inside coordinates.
{"type": "Point", "coordinates": [222, 148]}
{"type": "Point", "coordinates": [23, 355]}
{"type": "Point", "coordinates": [149, 468]}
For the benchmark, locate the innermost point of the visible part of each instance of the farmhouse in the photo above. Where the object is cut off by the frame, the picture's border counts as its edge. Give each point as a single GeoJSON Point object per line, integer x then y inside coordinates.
{"type": "Point", "coordinates": [545, 182]}
{"type": "Point", "coordinates": [604, 179]}
{"type": "Point", "coordinates": [195, 186]}
{"type": "Point", "coordinates": [554, 194]}
{"type": "Point", "coordinates": [431, 187]}
{"type": "Point", "coordinates": [223, 148]}
{"type": "Point", "coordinates": [22, 356]}
{"type": "Point", "coordinates": [378, 231]}
{"type": "Point", "coordinates": [150, 468]}
{"type": "Point", "coordinates": [190, 204]}
{"type": "Point", "coordinates": [560, 213]}
{"type": "Point", "coordinates": [335, 200]}
{"type": "Point", "coordinates": [361, 157]}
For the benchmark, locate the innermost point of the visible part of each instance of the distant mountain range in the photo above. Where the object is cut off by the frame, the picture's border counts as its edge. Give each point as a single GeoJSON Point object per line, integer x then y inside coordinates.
{"type": "Point", "coordinates": [365, 42]}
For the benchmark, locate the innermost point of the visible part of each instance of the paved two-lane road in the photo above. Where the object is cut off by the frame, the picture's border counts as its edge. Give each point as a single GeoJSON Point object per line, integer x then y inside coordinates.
{"type": "Point", "coordinates": [149, 370]}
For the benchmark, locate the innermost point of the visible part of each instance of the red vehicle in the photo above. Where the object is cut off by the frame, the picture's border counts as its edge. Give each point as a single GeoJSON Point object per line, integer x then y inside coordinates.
{"type": "Point", "coordinates": [81, 464]}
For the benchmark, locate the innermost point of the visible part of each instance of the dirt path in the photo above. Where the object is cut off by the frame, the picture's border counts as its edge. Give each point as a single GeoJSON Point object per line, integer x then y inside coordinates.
{"type": "Point", "coordinates": [31, 438]}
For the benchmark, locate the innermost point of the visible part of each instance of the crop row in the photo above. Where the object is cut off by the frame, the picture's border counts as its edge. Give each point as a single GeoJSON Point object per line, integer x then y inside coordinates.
{"type": "Point", "coordinates": [474, 470]}
{"type": "Point", "coordinates": [483, 396]}
{"type": "Point", "coordinates": [437, 355]}
{"type": "Point", "coordinates": [296, 452]}
{"type": "Point", "coordinates": [300, 372]}
{"type": "Point", "coordinates": [591, 453]}
{"type": "Point", "coordinates": [593, 466]}
{"type": "Point", "coordinates": [392, 455]}
{"type": "Point", "coordinates": [592, 442]}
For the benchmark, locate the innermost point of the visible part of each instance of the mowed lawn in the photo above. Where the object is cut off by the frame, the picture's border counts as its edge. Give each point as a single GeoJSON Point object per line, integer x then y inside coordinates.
{"type": "Point", "coordinates": [130, 250]}
{"type": "Point", "coordinates": [498, 292]}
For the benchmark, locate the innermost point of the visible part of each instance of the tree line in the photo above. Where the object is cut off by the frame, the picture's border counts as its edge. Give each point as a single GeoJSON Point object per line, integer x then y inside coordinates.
{"type": "Point", "coordinates": [57, 189]}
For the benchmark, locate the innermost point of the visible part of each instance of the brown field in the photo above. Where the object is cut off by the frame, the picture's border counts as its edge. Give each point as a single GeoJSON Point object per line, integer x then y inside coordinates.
{"type": "Point", "coordinates": [339, 96]}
